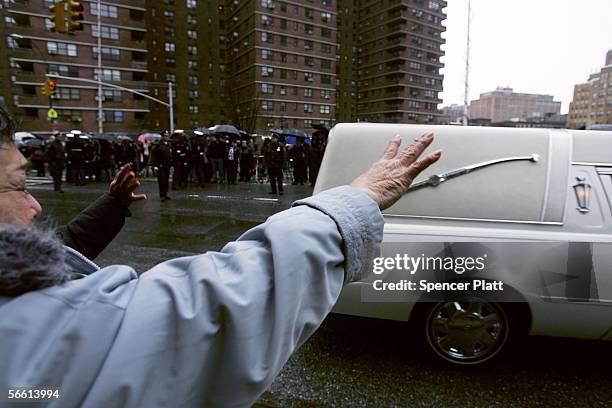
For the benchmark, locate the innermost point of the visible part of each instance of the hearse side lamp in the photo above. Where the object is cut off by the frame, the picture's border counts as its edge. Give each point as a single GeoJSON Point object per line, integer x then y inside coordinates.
{"type": "Point", "coordinates": [583, 194]}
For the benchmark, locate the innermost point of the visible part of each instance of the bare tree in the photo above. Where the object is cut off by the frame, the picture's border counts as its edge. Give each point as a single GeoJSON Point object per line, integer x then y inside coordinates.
{"type": "Point", "coordinates": [244, 107]}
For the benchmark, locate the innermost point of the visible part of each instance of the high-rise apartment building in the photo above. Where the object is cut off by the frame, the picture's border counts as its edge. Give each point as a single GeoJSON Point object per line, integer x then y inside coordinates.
{"type": "Point", "coordinates": [592, 102]}
{"type": "Point", "coordinates": [32, 50]}
{"type": "Point", "coordinates": [186, 44]}
{"type": "Point", "coordinates": [504, 104]}
{"type": "Point", "coordinates": [281, 63]}
{"type": "Point", "coordinates": [254, 63]}
{"type": "Point", "coordinates": [396, 51]}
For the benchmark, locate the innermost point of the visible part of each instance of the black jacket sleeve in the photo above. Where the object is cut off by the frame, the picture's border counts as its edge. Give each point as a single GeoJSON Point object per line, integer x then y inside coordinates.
{"type": "Point", "coordinates": [96, 226]}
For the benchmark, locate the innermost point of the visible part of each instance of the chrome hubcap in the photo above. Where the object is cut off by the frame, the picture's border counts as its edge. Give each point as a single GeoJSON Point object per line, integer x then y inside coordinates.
{"type": "Point", "coordinates": [467, 331]}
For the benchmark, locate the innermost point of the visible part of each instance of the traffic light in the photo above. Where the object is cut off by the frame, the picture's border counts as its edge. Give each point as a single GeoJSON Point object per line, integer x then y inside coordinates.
{"type": "Point", "coordinates": [48, 88]}
{"type": "Point", "coordinates": [52, 86]}
{"type": "Point", "coordinates": [58, 16]}
{"type": "Point", "coordinates": [75, 16]}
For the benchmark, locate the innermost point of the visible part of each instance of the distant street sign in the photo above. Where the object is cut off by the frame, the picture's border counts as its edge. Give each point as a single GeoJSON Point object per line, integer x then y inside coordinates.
{"type": "Point", "coordinates": [52, 114]}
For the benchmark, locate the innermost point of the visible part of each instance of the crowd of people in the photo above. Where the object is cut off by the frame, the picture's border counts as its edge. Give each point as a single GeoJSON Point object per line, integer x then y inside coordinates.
{"type": "Point", "coordinates": [187, 158]}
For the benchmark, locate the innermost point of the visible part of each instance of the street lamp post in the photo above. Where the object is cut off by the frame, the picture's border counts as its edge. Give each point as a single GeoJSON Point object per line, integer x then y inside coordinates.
{"type": "Point", "coordinates": [168, 104]}
{"type": "Point", "coordinates": [100, 112]}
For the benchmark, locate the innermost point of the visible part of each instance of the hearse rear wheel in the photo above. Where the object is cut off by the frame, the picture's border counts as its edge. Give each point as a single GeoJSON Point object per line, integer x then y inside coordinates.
{"type": "Point", "coordinates": [466, 331]}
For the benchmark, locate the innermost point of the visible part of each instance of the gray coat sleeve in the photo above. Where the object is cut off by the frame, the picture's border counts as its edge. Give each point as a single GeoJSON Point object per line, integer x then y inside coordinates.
{"type": "Point", "coordinates": [215, 329]}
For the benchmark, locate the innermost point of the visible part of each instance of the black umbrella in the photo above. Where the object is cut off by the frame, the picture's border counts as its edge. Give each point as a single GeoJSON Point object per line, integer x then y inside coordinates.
{"type": "Point", "coordinates": [203, 130]}
{"type": "Point", "coordinates": [103, 136]}
{"type": "Point", "coordinates": [294, 132]}
{"type": "Point", "coordinates": [229, 129]}
{"type": "Point", "coordinates": [320, 127]}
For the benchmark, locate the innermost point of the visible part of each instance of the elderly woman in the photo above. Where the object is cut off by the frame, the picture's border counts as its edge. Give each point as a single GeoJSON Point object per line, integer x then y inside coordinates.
{"type": "Point", "coordinates": [206, 330]}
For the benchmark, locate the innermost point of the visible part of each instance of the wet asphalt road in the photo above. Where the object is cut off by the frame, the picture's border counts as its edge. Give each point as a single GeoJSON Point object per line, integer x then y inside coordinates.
{"type": "Point", "coordinates": [349, 362]}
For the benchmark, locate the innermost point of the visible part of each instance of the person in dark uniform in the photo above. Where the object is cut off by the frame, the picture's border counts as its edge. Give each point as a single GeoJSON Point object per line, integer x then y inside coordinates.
{"type": "Point", "coordinates": [317, 149]}
{"type": "Point", "coordinates": [161, 161]}
{"type": "Point", "coordinates": [215, 155]}
{"type": "Point", "coordinates": [230, 161]}
{"type": "Point", "coordinates": [274, 158]}
{"type": "Point", "coordinates": [299, 154]}
{"type": "Point", "coordinates": [199, 160]}
{"type": "Point", "coordinates": [76, 156]}
{"type": "Point", "coordinates": [246, 161]}
{"type": "Point", "coordinates": [180, 159]}
{"type": "Point", "coordinates": [56, 157]}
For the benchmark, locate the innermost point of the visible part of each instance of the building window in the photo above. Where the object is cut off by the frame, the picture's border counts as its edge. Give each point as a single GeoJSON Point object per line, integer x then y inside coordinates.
{"type": "Point", "coordinates": [108, 74]}
{"type": "Point", "coordinates": [191, 4]}
{"type": "Point", "coordinates": [308, 92]}
{"type": "Point", "coordinates": [192, 64]}
{"type": "Point", "coordinates": [267, 54]}
{"type": "Point", "coordinates": [106, 10]}
{"type": "Point", "coordinates": [191, 19]}
{"type": "Point", "coordinates": [63, 70]}
{"type": "Point", "coordinates": [192, 50]}
{"type": "Point", "coordinates": [111, 54]}
{"type": "Point", "coordinates": [267, 71]}
{"type": "Point", "coordinates": [113, 116]}
{"type": "Point", "coordinates": [283, 90]}
{"type": "Point", "coordinates": [168, 14]}
{"type": "Point", "coordinates": [169, 47]}
{"type": "Point", "coordinates": [326, 48]}
{"type": "Point", "coordinates": [171, 77]}
{"type": "Point", "coordinates": [193, 109]}
{"type": "Point", "coordinates": [171, 62]}
{"type": "Point", "coordinates": [267, 88]}
{"type": "Point", "coordinates": [308, 108]}
{"type": "Point", "coordinates": [428, 93]}
{"type": "Point", "coordinates": [67, 93]}
{"type": "Point", "coordinates": [326, 79]}
{"type": "Point", "coordinates": [325, 109]}
{"type": "Point", "coordinates": [267, 105]}
{"type": "Point", "coordinates": [309, 28]}
{"type": "Point", "coordinates": [267, 21]}
{"type": "Point", "coordinates": [325, 94]}
{"type": "Point", "coordinates": [193, 80]}
{"type": "Point", "coordinates": [326, 32]}
{"type": "Point", "coordinates": [415, 65]}
{"type": "Point", "coordinates": [112, 95]}
{"type": "Point", "coordinates": [267, 37]}
{"type": "Point", "coordinates": [58, 48]}
{"type": "Point", "coordinates": [326, 17]}
{"type": "Point", "coordinates": [111, 33]}
{"type": "Point", "coordinates": [194, 94]}
{"type": "Point", "coordinates": [69, 115]}
{"type": "Point", "coordinates": [192, 34]}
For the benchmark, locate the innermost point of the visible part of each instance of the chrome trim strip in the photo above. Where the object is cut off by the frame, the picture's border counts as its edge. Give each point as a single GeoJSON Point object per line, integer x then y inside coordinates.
{"type": "Point", "coordinates": [578, 163]}
{"type": "Point", "coordinates": [558, 173]}
{"type": "Point", "coordinates": [431, 217]}
{"type": "Point", "coordinates": [547, 182]}
{"type": "Point", "coordinates": [437, 179]}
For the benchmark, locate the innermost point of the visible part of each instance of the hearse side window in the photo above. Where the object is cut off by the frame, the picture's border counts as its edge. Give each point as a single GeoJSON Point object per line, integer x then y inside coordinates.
{"type": "Point", "coordinates": [605, 175]}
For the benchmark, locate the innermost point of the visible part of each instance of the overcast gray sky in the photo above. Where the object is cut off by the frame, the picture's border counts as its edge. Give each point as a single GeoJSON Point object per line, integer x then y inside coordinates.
{"type": "Point", "coordinates": [533, 46]}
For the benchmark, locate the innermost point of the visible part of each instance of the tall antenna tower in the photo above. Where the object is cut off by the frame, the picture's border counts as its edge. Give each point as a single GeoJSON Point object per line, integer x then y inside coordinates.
{"type": "Point", "coordinates": [466, 90]}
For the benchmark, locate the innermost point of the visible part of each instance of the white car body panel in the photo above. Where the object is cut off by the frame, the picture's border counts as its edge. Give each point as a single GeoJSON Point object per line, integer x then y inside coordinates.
{"type": "Point", "coordinates": [518, 202]}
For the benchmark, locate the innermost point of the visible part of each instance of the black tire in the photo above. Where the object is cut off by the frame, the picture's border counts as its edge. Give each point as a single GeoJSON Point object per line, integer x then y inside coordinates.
{"type": "Point", "coordinates": [465, 329]}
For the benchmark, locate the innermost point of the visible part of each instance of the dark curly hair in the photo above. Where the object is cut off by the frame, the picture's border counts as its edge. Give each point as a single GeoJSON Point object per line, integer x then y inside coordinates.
{"type": "Point", "coordinates": [7, 127]}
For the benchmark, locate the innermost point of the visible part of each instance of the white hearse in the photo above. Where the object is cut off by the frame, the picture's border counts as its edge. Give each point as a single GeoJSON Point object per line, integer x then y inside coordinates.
{"type": "Point", "coordinates": [531, 208]}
